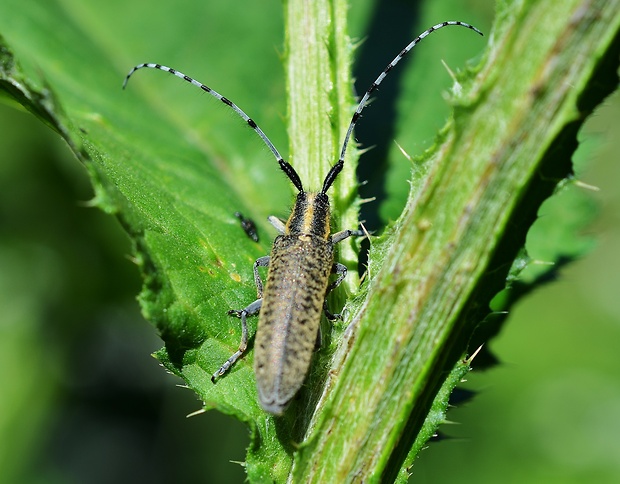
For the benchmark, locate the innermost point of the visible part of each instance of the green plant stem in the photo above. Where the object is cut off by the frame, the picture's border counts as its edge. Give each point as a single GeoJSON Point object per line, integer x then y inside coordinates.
{"type": "Point", "coordinates": [320, 100]}
{"type": "Point", "coordinates": [509, 144]}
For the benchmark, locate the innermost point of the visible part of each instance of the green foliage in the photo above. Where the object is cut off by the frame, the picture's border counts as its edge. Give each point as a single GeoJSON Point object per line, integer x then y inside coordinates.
{"type": "Point", "coordinates": [174, 176]}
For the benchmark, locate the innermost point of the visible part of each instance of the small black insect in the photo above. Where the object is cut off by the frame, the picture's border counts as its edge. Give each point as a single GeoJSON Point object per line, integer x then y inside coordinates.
{"type": "Point", "coordinates": [299, 267]}
{"type": "Point", "coordinates": [248, 226]}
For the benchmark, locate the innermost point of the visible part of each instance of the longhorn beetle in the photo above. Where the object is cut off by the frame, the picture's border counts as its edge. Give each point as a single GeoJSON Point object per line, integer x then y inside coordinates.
{"type": "Point", "coordinates": [301, 261]}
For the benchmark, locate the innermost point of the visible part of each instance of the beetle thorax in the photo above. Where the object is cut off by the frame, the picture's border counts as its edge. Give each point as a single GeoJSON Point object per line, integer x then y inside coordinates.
{"type": "Point", "coordinates": [310, 216]}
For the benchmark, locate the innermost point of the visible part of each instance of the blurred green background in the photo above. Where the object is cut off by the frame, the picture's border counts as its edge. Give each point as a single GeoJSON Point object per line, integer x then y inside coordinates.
{"type": "Point", "coordinates": [82, 400]}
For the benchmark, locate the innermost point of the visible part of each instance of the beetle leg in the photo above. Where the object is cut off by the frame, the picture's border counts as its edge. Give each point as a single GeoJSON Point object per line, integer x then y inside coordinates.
{"type": "Point", "coordinates": [328, 314]}
{"type": "Point", "coordinates": [243, 314]}
{"type": "Point", "coordinates": [341, 270]}
{"type": "Point", "coordinates": [260, 262]}
{"type": "Point", "coordinates": [279, 224]}
{"type": "Point", "coordinates": [344, 234]}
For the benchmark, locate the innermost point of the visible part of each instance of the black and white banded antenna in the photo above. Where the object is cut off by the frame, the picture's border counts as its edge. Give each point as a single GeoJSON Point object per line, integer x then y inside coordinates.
{"type": "Point", "coordinates": [364, 102]}
{"type": "Point", "coordinates": [284, 165]}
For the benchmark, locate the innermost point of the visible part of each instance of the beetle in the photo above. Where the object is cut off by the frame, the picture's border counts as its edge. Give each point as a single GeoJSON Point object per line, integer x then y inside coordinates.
{"type": "Point", "coordinates": [299, 266]}
{"type": "Point", "coordinates": [291, 302]}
